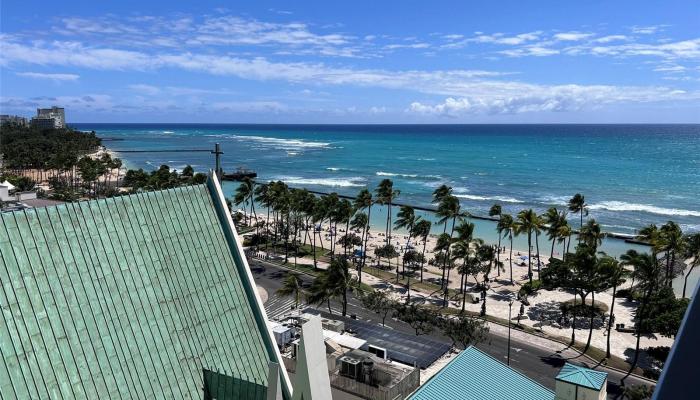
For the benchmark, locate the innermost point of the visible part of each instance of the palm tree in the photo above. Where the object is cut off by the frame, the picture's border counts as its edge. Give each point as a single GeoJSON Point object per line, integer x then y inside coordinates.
{"type": "Point", "coordinates": [577, 204]}
{"type": "Point", "coordinates": [692, 253]}
{"type": "Point", "coordinates": [673, 244]}
{"type": "Point", "coordinates": [495, 211]}
{"type": "Point", "coordinates": [646, 272]}
{"type": "Point", "coordinates": [422, 230]}
{"type": "Point", "coordinates": [438, 195]}
{"type": "Point", "coordinates": [591, 234]}
{"type": "Point", "coordinates": [615, 273]}
{"type": "Point", "coordinates": [413, 259]}
{"type": "Point", "coordinates": [360, 222]}
{"type": "Point", "coordinates": [343, 214]}
{"type": "Point", "coordinates": [291, 285]}
{"type": "Point", "coordinates": [406, 218]}
{"type": "Point", "coordinates": [364, 201]}
{"type": "Point", "coordinates": [263, 197]}
{"type": "Point", "coordinates": [505, 228]}
{"type": "Point", "coordinates": [564, 232]}
{"type": "Point", "coordinates": [385, 195]}
{"type": "Point", "coordinates": [526, 223]}
{"type": "Point", "coordinates": [449, 208]}
{"type": "Point", "coordinates": [246, 190]}
{"type": "Point", "coordinates": [554, 220]}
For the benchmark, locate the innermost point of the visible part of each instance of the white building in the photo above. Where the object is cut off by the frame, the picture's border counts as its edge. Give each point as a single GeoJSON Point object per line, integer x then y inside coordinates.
{"type": "Point", "coordinates": [47, 118]}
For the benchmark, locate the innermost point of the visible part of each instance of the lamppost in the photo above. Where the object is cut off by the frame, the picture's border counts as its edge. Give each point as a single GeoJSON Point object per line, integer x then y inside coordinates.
{"type": "Point", "coordinates": [510, 306]}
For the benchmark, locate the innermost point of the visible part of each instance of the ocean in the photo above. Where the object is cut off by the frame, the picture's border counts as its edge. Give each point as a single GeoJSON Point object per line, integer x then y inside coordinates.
{"type": "Point", "coordinates": [631, 175]}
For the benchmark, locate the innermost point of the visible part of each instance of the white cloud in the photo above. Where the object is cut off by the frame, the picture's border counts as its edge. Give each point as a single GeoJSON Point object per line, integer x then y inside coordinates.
{"type": "Point", "coordinates": [647, 30]}
{"type": "Point", "coordinates": [250, 106]}
{"type": "Point", "coordinates": [536, 51]}
{"type": "Point", "coordinates": [515, 98]}
{"type": "Point", "coordinates": [572, 36]}
{"type": "Point", "coordinates": [611, 38]}
{"type": "Point", "coordinates": [52, 77]}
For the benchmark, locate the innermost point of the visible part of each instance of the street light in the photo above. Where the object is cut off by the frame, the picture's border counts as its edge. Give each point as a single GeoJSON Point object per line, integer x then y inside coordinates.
{"type": "Point", "coordinates": [511, 300]}
{"type": "Point", "coordinates": [510, 306]}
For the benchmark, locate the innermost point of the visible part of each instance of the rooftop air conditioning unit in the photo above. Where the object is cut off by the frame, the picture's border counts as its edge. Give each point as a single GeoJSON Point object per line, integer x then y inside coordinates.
{"type": "Point", "coordinates": [350, 367]}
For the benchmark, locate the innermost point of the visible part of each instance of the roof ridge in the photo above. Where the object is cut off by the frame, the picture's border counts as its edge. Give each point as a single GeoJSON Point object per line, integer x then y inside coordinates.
{"type": "Point", "coordinates": [511, 368]}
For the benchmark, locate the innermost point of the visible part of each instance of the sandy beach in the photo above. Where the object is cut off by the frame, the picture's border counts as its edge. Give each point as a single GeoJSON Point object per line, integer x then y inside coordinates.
{"type": "Point", "coordinates": [543, 311]}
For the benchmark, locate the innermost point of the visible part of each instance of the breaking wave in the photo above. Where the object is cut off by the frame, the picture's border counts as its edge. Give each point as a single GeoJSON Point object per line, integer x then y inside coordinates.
{"type": "Point", "coordinates": [284, 144]}
{"type": "Point", "coordinates": [333, 182]}
{"type": "Point", "coordinates": [504, 199]}
{"type": "Point", "coordinates": [623, 206]}
{"type": "Point", "coordinates": [432, 177]}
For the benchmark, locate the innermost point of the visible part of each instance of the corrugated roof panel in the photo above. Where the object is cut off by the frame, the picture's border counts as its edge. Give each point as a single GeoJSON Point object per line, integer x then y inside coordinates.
{"type": "Point", "coordinates": [474, 375]}
{"type": "Point", "coordinates": [128, 297]}
{"type": "Point", "coordinates": [582, 376]}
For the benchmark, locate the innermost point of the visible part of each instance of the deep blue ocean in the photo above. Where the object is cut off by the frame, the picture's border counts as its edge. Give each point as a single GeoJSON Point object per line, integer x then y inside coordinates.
{"type": "Point", "coordinates": [631, 175]}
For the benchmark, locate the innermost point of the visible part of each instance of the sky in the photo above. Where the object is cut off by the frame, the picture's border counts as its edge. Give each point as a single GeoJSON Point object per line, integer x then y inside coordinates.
{"type": "Point", "coordinates": [353, 61]}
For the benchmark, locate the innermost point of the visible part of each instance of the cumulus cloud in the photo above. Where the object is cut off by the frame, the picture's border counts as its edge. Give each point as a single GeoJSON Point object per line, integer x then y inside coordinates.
{"type": "Point", "coordinates": [52, 77]}
{"type": "Point", "coordinates": [515, 98]}
{"type": "Point", "coordinates": [572, 36]}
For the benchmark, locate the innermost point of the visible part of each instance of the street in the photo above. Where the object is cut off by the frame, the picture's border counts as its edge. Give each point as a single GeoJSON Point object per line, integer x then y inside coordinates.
{"type": "Point", "coordinates": [538, 363]}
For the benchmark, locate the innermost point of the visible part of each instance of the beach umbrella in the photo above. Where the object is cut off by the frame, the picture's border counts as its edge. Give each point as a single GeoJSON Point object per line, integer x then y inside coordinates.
{"type": "Point", "coordinates": [523, 258]}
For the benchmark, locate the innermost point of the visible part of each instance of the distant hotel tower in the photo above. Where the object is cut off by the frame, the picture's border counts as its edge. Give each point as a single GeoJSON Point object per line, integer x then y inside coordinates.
{"type": "Point", "coordinates": [49, 118]}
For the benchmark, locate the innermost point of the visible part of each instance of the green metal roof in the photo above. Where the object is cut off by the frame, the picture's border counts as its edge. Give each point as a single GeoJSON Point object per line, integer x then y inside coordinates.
{"type": "Point", "coordinates": [474, 375]}
{"type": "Point", "coordinates": [582, 376]}
{"type": "Point", "coordinates": [128, 297]}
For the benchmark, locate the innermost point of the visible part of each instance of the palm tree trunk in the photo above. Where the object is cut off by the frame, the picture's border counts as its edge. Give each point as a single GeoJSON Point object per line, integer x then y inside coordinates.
{"type": "Point", "coordinates": [551, 253]}
{"type": "Point", "coordinates": [573, 325]}
{"type": "Point", "coordinates": [314, 251]}
{"type": "Point", "coordinates": [537, 244]}
{"type": "Point", "coordinates": [510, 259]}
{"type": "Point", "coordinates": [529, 255]}
{"type": "Point", "coordinates": [498, 255]}
{"type": "Point", "coordinates": [590, 327]}
{"type": "Point", "coordinates": [425, 240]}
{"type": "Point", "coordinates": [364, 251]}
{"type": "Point", "coordinates": [610, 321]}
{"type": "Point", "coordinates": [639, 325]}
{"type": "Point", "coordinates": [685, 280]}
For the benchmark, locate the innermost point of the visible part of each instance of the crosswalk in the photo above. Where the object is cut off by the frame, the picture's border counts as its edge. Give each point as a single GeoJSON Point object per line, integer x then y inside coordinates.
{"type": "Point", "coordinates": [279, 306]}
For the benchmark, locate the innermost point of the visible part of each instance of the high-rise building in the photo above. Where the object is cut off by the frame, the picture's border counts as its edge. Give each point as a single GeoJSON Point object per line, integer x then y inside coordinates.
{"type": "Point", "coordinates": [47, 118]}
{"type": "Point", "coordinates": [12, 119]}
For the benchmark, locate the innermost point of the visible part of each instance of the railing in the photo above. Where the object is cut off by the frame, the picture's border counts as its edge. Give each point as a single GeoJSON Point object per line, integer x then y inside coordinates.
{"type": "Point", "coordinates": [399, 391]}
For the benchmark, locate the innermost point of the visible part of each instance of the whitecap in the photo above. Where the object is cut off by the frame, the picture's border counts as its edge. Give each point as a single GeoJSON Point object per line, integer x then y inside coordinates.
{"type": "Point", "coordinates": [504, 199]}
{"type": "Point", "coordinates": [382, 173]}
{"type": "Point", "coordinates": [168, 132]}
{"type": "Point", "coordinates": [624, 206]}
{"type": "Point", "coordinates": [279, 143]}
{"type": "Point", "coordinates": [334, 182]}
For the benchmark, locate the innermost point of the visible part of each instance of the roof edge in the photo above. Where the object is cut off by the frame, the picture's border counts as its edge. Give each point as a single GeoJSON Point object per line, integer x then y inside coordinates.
{"type": "Point", "coordinates": [236, 248]}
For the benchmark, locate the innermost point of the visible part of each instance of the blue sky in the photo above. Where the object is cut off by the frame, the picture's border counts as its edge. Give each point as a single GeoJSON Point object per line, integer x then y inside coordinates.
{"type": "Point", "coordinates": [353, 62]}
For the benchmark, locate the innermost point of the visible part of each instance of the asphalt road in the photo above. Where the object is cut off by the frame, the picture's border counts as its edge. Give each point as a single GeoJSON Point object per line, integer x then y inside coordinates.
{"type": "Point", "coordinates": [540, 364]}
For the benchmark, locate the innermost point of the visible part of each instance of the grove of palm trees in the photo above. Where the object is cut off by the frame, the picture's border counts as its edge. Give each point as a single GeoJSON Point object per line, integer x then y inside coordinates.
{"type": "Point", "coordinates": [572, 291]}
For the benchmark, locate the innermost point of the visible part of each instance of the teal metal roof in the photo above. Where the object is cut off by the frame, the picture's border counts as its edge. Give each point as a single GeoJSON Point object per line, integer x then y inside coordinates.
{"type": "Point", "coordinates": [582, 376]}
{"type": "Point", "coordinates": [474, 375]}
{"type": "Point", "coordinates": [128, 297]}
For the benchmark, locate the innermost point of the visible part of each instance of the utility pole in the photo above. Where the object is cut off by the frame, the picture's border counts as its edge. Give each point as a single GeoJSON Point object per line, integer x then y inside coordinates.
{"type": "Point", "coordinates": [217, 153]}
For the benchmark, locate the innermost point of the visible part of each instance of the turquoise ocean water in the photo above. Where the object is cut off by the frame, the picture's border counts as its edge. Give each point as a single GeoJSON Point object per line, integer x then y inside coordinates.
{"type": "Point", "coordinates": [631, 175]}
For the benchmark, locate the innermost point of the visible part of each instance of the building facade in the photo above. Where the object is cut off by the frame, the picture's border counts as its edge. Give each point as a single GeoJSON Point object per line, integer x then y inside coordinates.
{"type": "Point", "coordinates": [48, 118]}
{"type": "Point", "coordinates": [13, 119]}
